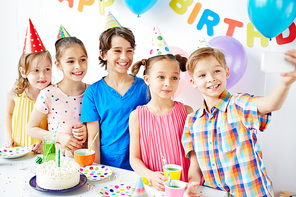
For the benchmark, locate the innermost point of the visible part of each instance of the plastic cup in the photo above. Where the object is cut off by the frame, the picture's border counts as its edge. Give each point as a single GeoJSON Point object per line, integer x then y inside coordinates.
{"type": "Point", "coordinates": [177, 190]}
{"type": "Point", "coordinates": [175, 171]}
{"type": "Point", "coordinates": [49, 149]}
{"type": "Point", "coordinates": [82, 159]}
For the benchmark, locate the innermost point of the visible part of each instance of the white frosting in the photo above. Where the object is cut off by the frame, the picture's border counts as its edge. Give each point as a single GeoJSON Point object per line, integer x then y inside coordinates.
{"type": "Point", "coordinates": [50, 176]}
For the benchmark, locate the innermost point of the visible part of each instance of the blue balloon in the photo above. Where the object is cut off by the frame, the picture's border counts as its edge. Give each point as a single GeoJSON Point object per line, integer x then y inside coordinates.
{"type": "Point", "coordinates": [139, 6]}
{"type": "Point", "coordinates": [271, 17]}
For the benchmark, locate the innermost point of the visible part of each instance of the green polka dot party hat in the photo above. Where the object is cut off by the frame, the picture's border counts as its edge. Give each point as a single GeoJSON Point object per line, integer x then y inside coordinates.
{"type": "Point", "coordinates": [159, 45]}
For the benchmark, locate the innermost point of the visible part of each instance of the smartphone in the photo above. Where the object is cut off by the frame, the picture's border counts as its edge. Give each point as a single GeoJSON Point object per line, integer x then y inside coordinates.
{"type": "Point", "coordinates": [276, 62]}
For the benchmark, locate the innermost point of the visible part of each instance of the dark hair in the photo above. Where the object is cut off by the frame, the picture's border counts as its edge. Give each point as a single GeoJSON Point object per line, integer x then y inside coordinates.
{"type": "Point", "coordinates": [64, 43]}
{"type": "Point", "coordinates": [106, 37]}
{"type": "Point", "coordinates": [147, 63]}
{"type": "Point", "coordinates": [25, 62]}
{"type": "Point", "coordinates": [202, 53]}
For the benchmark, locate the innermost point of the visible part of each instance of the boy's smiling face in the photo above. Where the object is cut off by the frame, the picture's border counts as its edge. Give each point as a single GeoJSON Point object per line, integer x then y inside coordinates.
{"type": "Point", "coordinates": [209, 76]}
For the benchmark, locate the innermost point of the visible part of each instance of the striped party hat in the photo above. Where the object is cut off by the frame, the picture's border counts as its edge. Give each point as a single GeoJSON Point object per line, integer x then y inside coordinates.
{"type": "Point", "coordinates": [33, 43]}
{"type": "Point", "coordinates": [202, 43]}
{"type": "Point", "coordinates": [159, 45]}
{"type": "Point", "coordinates": [111, 21]}
{"type": "Point", "coordinates": [63, 33]}
{"type": "Point", "coordinates": [140, 189]}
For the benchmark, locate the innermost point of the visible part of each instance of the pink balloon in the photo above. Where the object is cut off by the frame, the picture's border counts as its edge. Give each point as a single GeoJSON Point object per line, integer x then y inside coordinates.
{"type": "Point", "coordinates": [184, 82]}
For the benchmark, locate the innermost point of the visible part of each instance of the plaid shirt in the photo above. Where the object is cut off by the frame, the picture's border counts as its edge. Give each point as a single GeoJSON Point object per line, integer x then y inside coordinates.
{"type": "Point", "coordinates": [226, 146]}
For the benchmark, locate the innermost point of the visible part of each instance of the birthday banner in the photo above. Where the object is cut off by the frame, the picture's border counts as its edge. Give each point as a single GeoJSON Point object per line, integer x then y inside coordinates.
{"type": "Point", "coordinates": [267, 17]}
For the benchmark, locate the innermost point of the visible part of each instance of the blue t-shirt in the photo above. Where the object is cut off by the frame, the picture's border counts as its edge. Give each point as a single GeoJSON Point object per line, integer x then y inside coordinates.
{"type": "Point", "coordinates": [102, 103]}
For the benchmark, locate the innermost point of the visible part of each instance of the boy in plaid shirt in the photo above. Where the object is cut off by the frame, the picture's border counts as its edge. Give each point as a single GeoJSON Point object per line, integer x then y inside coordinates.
{"type": "Point", "coordinates": [220, 138]}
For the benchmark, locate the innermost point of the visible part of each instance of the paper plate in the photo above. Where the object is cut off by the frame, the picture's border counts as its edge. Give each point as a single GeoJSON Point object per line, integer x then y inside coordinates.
{"type": "Point", "coordinates": [117, 190]}
{"type": "Point", "coordinates": [14, 152]}
{"type": "Point", "coordinates": [96, 172]}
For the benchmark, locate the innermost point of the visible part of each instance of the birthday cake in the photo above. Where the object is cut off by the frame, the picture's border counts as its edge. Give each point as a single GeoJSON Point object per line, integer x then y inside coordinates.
{"type": "Point", "coordinates": [50, 176]}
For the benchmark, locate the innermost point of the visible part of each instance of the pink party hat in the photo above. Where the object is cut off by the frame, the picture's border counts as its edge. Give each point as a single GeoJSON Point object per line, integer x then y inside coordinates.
{"type": "Point", "coordinates": [159, 45]}
{"type": "Point", "coordinates": [62, 33]}
{"type": "Point", "coordinates": [202, 43]}
{"type": "Point", "coordinates": [111, 21]}
{"type": "Point", "coordinates": [140, 189]}
{"type": "Point", "coordinates": [33, 42]}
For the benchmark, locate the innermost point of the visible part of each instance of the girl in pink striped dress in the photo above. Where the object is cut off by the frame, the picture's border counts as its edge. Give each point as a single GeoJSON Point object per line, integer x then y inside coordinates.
{"type": "Point", "coordinates": [156, 128]}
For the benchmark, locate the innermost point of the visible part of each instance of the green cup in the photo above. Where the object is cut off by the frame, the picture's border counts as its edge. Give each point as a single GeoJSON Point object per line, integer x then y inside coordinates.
{"type": "Point", "coordinates": [49, 149]}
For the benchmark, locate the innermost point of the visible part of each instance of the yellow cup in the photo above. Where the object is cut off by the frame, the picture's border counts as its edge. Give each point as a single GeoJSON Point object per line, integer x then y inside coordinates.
{"type": "Point", "coordinates": [174, 170]}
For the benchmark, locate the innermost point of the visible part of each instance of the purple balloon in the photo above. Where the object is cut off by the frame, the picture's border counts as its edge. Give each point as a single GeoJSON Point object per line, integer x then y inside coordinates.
{"type": "Point", "coordinates": [235, 55]}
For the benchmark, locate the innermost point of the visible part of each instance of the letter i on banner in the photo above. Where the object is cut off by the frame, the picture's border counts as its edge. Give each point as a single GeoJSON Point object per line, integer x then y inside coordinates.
{"type": "Point", "coordinates": [103, 4]}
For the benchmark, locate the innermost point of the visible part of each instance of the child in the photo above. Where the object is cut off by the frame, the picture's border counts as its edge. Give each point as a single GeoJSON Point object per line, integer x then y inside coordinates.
{"type": "Point", "coordinates": [108, 102]}
{"type": "Point", "coordinates": [220, 138]}
{"type": "Point", "coordinates": [62, 102]}
{"type": "Point", "coordinates": [34, 75]}
{"type": "Point", "coordinates": [156, 128]}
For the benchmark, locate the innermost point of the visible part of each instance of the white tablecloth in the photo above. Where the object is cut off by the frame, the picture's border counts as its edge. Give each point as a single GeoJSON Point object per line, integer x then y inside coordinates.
{"type": "Point", "coordinates": [15, 174]}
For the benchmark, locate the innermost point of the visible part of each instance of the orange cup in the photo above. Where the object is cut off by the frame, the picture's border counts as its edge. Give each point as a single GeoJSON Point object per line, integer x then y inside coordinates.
{"type": "Point", "coordinates": [82, 159]}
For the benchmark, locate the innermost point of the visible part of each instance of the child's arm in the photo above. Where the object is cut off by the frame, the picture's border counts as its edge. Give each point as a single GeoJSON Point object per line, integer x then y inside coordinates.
{"type": "Point", "coordinates": [276, 98]}
{"type": "Point", "coordinates": [8, 141]}
{"type": "Point", "coordinates": [93, 128]}
{"type": "Point", "coordinates": [194, 176]}
{"type": "Point", "coordinates": [34, 130]}
{"type": "Point", "coordinates": [155, 178]}
{"type": "Point", "coordinates": [188, 109]}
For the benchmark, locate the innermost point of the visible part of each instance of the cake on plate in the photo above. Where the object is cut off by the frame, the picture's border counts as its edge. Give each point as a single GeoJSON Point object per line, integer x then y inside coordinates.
{"type": "Point", "coordinates": [50, 176]}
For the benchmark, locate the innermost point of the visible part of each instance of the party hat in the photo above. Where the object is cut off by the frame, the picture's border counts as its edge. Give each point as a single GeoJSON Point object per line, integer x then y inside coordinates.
{"type": "Point", "coordinates": [62, 33]}
{"type": "Point", "coordinates": [140, 189]}
{"type": "Point", "coordinates": [33, 42]}
{"type": "Point", "coordinates": [159, 45]}
{"type": "Point", "coordinates": [111, 21]}
{"type": "Point", "coordinates": [202, 43]}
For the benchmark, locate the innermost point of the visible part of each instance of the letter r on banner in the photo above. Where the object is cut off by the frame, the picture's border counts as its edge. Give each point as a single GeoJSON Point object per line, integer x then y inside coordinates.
{"type": "Point", "coordinates": [205, 20]}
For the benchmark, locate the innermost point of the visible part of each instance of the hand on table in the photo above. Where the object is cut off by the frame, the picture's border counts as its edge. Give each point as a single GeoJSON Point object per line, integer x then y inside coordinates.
{"type": "Point", "coordinates": [37, 148]}
{"type": "Point", "coordinates": [191, 190]}
{"type": "Point", "coordinates": [9, 143]}
{"type": "Point", "coordinates": [157, 180]}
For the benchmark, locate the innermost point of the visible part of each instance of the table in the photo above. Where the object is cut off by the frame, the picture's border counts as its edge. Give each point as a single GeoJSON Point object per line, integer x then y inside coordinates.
{"type": "Point", "coordinates": [15, 174]}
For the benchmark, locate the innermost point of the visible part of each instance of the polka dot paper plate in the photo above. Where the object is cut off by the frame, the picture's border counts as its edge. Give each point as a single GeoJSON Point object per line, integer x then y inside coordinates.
{"type": "Point", "coordinates": [117, 190]}
{"type": "Point", "coordinates": [14, 152]}
{"type": "Point", "coordinates": [96, 172]}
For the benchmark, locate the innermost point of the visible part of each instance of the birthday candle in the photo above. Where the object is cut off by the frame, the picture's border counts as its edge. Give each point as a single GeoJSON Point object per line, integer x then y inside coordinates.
{"type": "Point", "coordinates": [59, 152]}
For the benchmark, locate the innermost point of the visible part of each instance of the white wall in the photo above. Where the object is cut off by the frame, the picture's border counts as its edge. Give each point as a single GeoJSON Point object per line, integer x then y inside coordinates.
{"type": "Point", "coordinates": [279, 140]}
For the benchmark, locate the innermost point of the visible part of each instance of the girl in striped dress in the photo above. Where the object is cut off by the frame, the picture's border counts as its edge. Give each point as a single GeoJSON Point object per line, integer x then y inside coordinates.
{"type": "Point", "coordinates": [156, 128]}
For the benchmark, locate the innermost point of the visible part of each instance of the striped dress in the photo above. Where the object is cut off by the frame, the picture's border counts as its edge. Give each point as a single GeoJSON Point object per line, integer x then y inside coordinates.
{"type": "Point", "coordinates": [162, 134]}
